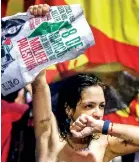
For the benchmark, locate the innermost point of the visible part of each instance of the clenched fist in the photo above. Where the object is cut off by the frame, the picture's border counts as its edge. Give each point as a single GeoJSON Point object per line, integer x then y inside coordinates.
{"type": "Point", "coordinates": [86, 125]}
{"type": "Point", "coordinates": [39, 10]}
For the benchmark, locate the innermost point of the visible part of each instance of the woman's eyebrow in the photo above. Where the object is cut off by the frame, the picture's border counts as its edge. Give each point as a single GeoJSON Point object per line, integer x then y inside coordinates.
{"type": "Point", "coordinates": [91, 102]}
{"type": "Point", "coordinates": [103, 102]}
{"type": "Point", "coordinates": [88, 102]}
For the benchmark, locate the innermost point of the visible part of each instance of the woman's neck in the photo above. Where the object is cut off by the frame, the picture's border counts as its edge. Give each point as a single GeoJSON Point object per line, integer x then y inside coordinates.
{"type": "Point", "coordinates": [79, 144]}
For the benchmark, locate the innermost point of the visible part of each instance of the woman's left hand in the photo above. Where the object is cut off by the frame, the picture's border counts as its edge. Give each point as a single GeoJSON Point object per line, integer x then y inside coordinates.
{"type": "Point", "coordinates": [86, 125]}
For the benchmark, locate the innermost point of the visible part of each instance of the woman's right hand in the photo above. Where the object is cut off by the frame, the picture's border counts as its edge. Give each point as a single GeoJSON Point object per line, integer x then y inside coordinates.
{"type": "Point", "coordinates": [39, 10]}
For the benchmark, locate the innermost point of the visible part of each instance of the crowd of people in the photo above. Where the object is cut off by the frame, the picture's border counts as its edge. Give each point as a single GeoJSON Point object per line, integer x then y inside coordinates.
{"type": "Point", "coordinates": [76, 131]}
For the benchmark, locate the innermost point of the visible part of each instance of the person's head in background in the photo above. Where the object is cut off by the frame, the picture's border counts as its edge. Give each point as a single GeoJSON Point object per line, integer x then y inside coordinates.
{"type": "Point", "coordinates": [80, 94]}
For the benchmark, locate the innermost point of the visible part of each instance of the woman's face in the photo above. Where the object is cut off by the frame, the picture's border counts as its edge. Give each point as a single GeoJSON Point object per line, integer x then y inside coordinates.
{"type": "Point", "coordinates": [92, 103]}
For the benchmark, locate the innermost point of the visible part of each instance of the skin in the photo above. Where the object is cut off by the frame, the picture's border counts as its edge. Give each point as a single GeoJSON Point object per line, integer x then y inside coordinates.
{"type": "Point", "coordinates": [88, 119]}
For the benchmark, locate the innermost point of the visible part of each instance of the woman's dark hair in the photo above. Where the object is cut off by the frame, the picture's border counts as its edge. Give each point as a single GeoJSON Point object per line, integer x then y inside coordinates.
{"type": "Point", "coordinates": [69, 95]}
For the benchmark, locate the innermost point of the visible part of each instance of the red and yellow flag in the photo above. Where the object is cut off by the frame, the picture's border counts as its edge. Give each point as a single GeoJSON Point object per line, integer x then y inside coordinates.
{"type": "Point", "coordinates": [116, 30]}
{"type": "Point", "coordinates": [115, 25]}
{"type": "Point", "coordinates": [128, 115]}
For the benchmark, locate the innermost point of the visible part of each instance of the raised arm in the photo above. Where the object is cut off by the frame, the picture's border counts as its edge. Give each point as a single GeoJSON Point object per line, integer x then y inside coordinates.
{"type": "Point", "coordinates": [46, 132]}
{"type": "Point", "coordinates": [42, 114]}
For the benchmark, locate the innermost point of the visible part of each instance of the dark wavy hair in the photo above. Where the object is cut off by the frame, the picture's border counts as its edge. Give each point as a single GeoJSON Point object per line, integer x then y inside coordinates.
{"type": "Point", "coordinates": [69, 95]}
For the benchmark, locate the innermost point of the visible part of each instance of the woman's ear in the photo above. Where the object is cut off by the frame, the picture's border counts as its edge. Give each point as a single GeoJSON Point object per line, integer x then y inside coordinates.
{"type": "Point", "coordinates": [69, 112]}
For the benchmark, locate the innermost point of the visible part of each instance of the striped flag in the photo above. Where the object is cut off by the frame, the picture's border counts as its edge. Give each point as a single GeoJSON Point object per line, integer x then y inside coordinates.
{"type": "Point", "coordinates": [116, 31]}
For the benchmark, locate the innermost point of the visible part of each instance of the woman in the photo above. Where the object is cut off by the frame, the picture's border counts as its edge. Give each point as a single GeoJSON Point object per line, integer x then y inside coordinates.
{"type": "Point", "coordinates": [79, 115]}
{"type": "Point", "coordinates": [81, 134]}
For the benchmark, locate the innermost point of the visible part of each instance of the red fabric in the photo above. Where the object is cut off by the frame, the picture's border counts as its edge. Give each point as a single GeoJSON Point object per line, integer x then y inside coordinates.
{"type": "Point", "coordinates": [10, 112]}
{"type": "Point", "coordinates": [115, 118]}
{"type": "Point", "coordinates": [4, 4]}
{"type": "Point", "coordinates": [107, 50]}
{"type": "Point", "coordinates": [37, 2]}
{"type": "Point", "coordinates": [28, 3]}
{"type": "Point", "coordinates": [56, 2]}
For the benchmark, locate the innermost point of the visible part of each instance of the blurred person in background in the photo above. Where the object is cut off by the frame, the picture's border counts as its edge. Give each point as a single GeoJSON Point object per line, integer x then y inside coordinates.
{"type": "Point", "coordinates": [15, 110]}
